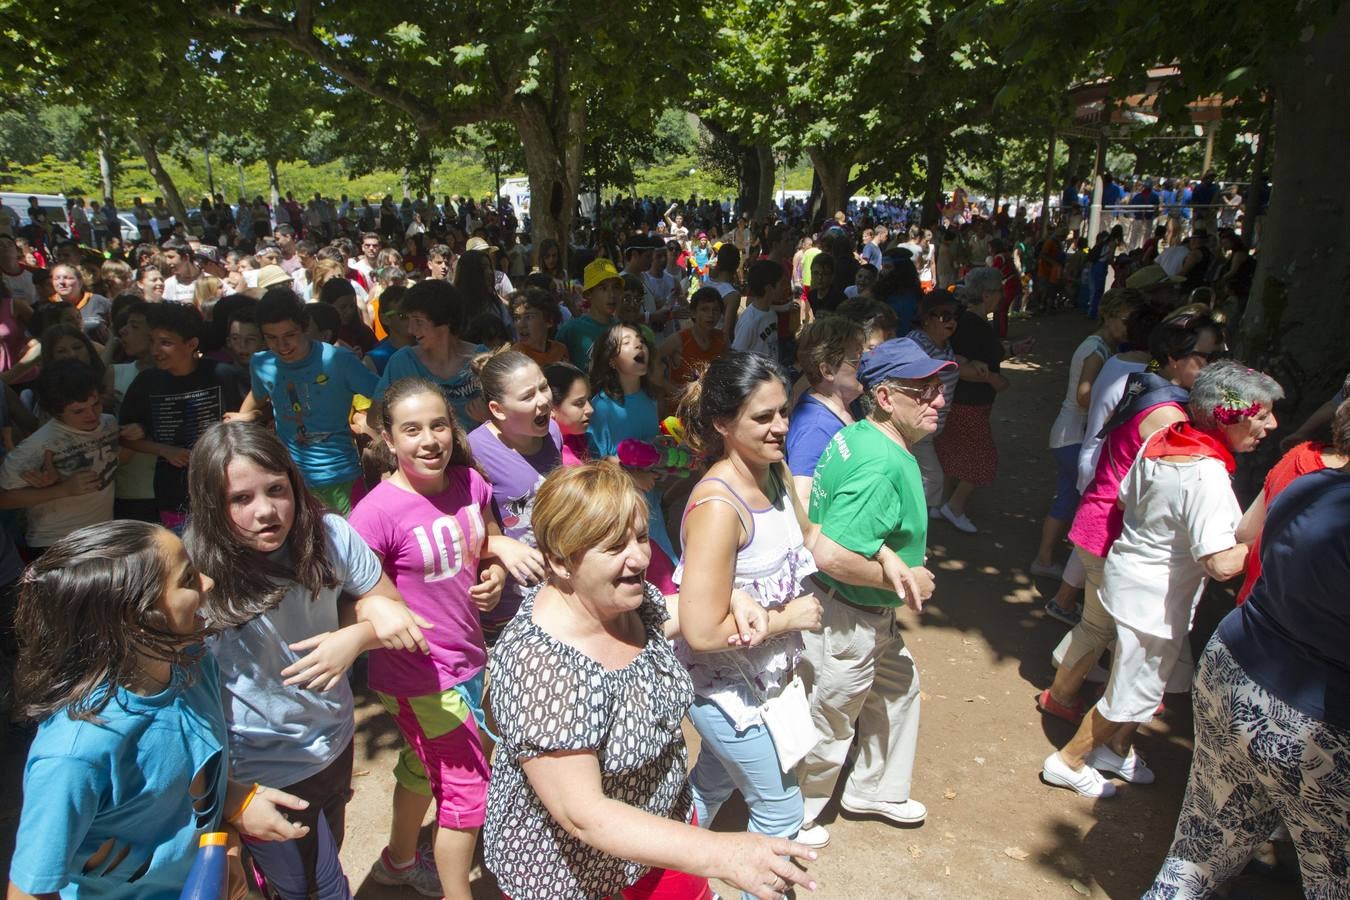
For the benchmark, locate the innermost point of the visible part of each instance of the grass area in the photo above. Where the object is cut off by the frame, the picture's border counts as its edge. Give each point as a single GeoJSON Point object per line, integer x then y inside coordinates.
{"type": "Point", "coordinates": [678, 177]}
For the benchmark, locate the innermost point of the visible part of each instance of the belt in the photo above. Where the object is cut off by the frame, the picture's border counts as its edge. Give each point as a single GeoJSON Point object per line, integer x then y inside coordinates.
{"type": "Point", "coordinates": [835, 594]}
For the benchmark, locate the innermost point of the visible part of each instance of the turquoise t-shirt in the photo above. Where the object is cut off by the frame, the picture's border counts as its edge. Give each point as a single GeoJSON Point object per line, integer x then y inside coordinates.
{"type": "Point", "coordinates": [636, 417]}
{"type": "Point", "coordinates": [868, 492]}
{"type": "Point", "coordinates": [312, 400]}
{"type": "Point", "coordinates": [128, 781]}
{"type": "Point", "coordinates": [579, 334]}
{"type": "Point", "coordinates": [461, 390]}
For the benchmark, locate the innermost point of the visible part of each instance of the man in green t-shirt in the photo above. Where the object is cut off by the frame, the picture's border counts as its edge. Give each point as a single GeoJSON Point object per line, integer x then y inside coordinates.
{"type": "Point", "coordinates": [867, 497]}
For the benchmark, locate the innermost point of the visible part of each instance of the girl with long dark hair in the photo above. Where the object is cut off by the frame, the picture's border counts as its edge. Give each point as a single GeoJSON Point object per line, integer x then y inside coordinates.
{"type": "Point", "coordinates": [284, 570]}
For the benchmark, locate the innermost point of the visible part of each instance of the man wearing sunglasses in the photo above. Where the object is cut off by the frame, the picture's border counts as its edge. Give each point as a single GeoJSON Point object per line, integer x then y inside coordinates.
{"type": "Point", "coordinates": [867, 496]}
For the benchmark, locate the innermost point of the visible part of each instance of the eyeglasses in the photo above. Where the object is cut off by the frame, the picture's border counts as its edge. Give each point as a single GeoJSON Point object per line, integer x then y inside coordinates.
{"type": "Point", "coordinates": [924, 395]}
{"type": "Point", "coordinates": [853, 361]}
{"type": "Point", "coordinates": [943, 316]}
{"type": "Point", "coordinates": [1209, 356]}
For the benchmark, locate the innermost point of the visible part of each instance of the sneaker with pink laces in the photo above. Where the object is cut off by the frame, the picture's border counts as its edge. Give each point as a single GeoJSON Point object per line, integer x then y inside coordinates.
{"type": "Point", "coordinates": [420, 874]}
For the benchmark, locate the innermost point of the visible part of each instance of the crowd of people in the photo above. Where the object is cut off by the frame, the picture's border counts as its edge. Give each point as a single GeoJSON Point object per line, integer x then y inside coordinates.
{"type": "Point", "coordinates": [561, 500]}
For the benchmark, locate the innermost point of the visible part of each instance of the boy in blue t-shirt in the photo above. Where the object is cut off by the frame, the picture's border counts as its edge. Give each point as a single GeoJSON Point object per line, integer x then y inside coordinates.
{"type": "Point", "coordinates": [310, 387]}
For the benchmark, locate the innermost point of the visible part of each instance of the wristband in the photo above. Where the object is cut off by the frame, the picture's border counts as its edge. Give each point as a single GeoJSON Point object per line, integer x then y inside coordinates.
{"type": "Point", "coordinates": [248, 798]}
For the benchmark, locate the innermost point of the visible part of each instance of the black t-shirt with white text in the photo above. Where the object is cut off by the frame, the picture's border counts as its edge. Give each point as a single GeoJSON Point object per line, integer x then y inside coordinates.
{"type": "Point", "coordinates": [176, 410]}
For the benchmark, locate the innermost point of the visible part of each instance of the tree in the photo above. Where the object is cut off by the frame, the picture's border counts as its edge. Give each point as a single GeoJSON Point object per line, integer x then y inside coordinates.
{"type": "Point", "coordinates": [142, 84]}
{"type": "Point", "coordinates": [1289, 53]}
{"type": "Point", "coordinates": [533, 64]}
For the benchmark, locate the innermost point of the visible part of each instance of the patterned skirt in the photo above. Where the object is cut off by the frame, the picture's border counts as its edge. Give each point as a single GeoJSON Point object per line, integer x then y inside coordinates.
{"type": "Point", "coordinates": [966, 445]}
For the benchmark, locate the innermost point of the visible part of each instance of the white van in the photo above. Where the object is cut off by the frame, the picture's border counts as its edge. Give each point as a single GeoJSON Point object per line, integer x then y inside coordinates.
{"type": "Point", "coordinates": [54, 205]}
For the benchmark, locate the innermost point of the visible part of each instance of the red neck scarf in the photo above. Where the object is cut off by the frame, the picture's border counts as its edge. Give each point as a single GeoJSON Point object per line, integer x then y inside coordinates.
{"type": "Point", "coordinates": [1184, 439]}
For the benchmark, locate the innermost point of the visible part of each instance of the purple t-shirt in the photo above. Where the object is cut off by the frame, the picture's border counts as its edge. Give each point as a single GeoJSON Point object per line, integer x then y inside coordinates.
{"type": "Point", "coordinates": [430, 547]}
{"type": "Point", "coordinates": [812, 425]}
{"type": "Point", "coordinates": [515, 478]}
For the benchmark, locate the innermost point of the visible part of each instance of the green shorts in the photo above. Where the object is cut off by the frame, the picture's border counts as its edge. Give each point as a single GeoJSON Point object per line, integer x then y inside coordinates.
{"type": "Point", "coordinates": [337, 497]}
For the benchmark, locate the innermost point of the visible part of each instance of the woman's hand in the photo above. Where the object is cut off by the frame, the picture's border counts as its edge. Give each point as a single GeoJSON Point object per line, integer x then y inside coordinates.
{"type": "Point", "coordinates": [397, 627]}
{"type": "Point", "coordinates": [752, 620]}
{"type": "Point", "coordinates": [263, 820]}
{"type": "Point", "coordinates": [803, 613]}
{"type": "Point", "coordinates": [487, 593]}
{"type": "Point", "coordinates": [131, 432]}
{"type": "Point", "coordinates": [755, 864]}
{"type": "Point", "coordinates": [525, 563]}
{"type": "Point", "coordinates": [329, 657]}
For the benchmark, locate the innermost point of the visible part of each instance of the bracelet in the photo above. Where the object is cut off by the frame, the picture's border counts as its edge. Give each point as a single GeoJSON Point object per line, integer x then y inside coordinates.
{"type": "Point", "coordinates": [248, 798]}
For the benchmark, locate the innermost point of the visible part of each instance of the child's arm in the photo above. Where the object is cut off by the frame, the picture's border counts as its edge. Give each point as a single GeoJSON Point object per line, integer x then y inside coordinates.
{"type": "Point", "coordinates": [46, 484]}
{"type": "Point", "coordinates": [175, 456]}
{"type": "Point", "coordinates": [15, 893]}
{"type": "Point", "coordinates": [252, 810]}
{"type": "Point", "coordinates": [378, 618]}
{"type": "Point", "coordinates": [487, 593]}
{"type": "Point", "coordinates": [251, 410]}
{"type": "Point", "coordinates": [525, 563]}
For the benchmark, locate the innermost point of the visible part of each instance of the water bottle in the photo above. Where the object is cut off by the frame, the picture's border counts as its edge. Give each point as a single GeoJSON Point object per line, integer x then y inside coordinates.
{"type": "Point", "coordinates": [209, 878]}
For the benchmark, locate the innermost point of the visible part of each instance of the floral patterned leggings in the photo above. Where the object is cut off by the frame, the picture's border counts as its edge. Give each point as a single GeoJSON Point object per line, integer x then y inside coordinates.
{"type": "Point", "coordinates": [1257, 761]}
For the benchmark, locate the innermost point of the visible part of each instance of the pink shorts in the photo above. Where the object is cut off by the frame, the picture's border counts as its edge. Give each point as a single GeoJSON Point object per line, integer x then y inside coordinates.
{"type": "Point", "coordinates": [444, 756]}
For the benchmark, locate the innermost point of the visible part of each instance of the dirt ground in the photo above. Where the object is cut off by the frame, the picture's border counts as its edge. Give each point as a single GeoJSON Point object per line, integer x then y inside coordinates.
{"type": "Point", "coordinates": [982, 647]}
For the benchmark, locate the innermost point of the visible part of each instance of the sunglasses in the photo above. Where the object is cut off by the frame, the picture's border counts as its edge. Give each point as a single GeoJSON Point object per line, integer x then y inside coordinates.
{"type": "Point", "coordinates": [943, 316]}
{"type": "Point", "coordinates": [1209, 356]}
{"type": "Point", "coordinates": [924, 395]}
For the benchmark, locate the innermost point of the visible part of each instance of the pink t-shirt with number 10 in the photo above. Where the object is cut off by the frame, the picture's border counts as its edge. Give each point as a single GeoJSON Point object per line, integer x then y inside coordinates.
{"type": "Point", "coordinates": [430, 547]}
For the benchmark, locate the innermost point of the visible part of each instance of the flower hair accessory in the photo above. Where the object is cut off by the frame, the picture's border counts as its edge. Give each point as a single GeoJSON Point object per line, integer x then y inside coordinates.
{"type": "Point", "coordinates": [1233, 408]}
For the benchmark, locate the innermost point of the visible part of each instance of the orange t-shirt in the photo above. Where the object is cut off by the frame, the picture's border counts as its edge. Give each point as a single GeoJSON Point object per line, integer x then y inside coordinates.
{"type": "Point", "coordinates": [1300, 460]}
{"type": "Point", "coordinates": [556, 351]}
{"type": "Point", "coordinates": [692, 356]}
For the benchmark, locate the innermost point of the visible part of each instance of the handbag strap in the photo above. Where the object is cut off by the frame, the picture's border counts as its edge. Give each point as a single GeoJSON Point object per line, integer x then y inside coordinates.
{"type": "Point", "coordinates": [756, 693]}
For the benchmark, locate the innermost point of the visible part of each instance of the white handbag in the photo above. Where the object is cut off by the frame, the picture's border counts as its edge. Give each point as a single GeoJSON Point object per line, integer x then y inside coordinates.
{"type": "Point", "coordinates": [788, 719]}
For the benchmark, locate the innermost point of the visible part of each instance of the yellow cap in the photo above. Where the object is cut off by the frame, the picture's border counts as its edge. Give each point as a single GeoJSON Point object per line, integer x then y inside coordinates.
{"type": "Point", "coordinates": [214, 839]}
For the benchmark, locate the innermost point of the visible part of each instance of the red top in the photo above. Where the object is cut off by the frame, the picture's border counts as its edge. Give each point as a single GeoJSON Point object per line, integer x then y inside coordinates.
{"type": "Point", "coordinates": [1305, 458]}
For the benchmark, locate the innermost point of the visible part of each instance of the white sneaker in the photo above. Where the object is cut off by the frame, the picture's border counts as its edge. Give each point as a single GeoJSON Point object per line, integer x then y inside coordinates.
{"type": "Point", "coordinates": [1131, 768]}
{"type": "Point", "coordinates": [906, 812]}
{"type": "Point", "coordinates": [420, 875]}
{"type": "Point", "coordinates": [961, 522]}
{"type": "Point", "coordinates": [934, 512]}
{"type": "Point", "coordinates": [1086, 781]}
{"type": "Point", "coordinates": [813, 835]}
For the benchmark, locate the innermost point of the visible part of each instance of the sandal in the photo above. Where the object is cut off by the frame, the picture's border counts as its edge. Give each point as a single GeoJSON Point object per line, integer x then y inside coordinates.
{"type": "Point", "coordinates": [1052, 707]}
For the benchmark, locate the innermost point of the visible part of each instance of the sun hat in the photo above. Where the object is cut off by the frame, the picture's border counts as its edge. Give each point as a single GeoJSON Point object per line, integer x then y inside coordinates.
{"type": "Point", "coordinates": [271, 276]}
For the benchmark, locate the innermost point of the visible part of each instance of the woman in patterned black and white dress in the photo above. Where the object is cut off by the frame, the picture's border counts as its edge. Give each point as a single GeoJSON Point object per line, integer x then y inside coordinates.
{"type": "Point", "coordinates": [589, 797]}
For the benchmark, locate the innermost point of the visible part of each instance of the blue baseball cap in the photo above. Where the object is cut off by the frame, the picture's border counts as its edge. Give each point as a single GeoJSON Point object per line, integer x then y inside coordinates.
{"type": "Point", "coordinates": [898, 358]}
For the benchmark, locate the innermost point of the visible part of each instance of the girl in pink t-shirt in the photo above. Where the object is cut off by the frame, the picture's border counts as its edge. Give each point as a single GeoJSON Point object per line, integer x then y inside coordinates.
{"type": "Point", "coordinates": [430, 524]}
{"type": "Point", "coordinates": [571, 409]}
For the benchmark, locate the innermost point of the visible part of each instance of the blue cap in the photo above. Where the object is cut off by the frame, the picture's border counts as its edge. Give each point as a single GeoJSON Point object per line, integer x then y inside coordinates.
{"type": "Point", "coordinates": [898, 358]}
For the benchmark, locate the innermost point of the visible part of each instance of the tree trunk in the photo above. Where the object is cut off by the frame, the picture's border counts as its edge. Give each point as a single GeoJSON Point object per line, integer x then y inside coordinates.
{"type": "Point", "coordinates": [934, 196]}
{"type": "Point", "coordinates": [552, 145]}
{"type": "Point", "coordinates": [767, 173]}
{"type": "Point", "coordinates": [1298, 314]}
{"type": "Point", "coordinates": [105, 163]}
{"type": "Point", "coordinates": [273, 183]}
{"type": "Point", "coordinates": [747, 189]}
{"type": "Point", "coordinates": [833, 166]}
{"type": "Point", "coordinates": [146, 145]}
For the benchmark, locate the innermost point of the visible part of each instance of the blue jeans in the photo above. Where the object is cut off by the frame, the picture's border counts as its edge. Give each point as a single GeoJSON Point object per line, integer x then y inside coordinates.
{"type": "Point", "coordinates": [746, 761]}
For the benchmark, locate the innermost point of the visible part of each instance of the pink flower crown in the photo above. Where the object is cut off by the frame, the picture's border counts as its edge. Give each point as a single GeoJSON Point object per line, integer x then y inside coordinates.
{"type": "Point", "coordinates": [1233, 409]}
